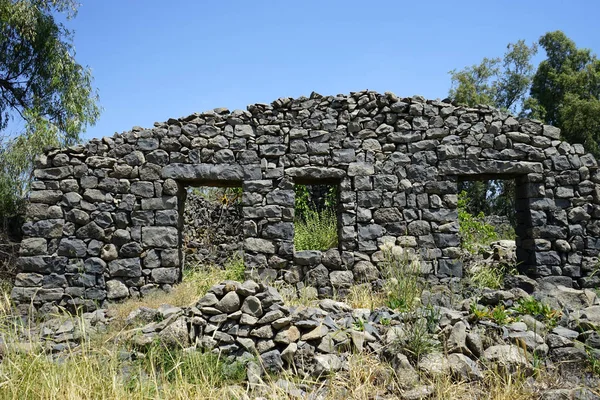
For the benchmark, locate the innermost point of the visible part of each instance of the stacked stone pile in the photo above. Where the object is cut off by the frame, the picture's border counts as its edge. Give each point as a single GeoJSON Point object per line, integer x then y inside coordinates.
{"type": "Point", "coordinates": [248, 322]}
{"type": "Point", "coordinates": [212, 231]}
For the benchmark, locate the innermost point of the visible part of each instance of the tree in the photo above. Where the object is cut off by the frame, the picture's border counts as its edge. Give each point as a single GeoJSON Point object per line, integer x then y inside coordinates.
{"type": "Point", "coordinates": [499, 82]}
{"type": "Point", "coordinates": [46, 97]}
{"type": "Point", "coordinates": [565, 91]}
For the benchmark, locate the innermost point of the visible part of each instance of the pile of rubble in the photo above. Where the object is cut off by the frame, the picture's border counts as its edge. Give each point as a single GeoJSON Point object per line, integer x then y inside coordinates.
{"type": "Point", "coordinates": [248, 322]}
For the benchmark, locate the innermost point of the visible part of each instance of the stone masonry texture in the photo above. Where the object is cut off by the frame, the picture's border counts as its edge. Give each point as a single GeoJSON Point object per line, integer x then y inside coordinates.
{"type": "Point", "coordinates": [105, 218]}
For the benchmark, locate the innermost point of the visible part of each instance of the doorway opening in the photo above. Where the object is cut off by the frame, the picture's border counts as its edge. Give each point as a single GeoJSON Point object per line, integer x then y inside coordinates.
{"type": "Point", "coordinates": [211, 224]}
{"type": "Point", "coordinates": [494, 226]}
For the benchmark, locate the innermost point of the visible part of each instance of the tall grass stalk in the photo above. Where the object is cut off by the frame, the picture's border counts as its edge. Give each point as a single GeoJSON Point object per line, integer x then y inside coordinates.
{"type": "Point", "coordinates": [401, 269]}
{"type": "Point", "coordinates": [316, 230]}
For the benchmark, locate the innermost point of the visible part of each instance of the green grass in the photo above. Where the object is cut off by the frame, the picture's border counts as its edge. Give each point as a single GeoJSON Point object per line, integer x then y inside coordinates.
{"type": "Point", "coordinates": [316, 231]}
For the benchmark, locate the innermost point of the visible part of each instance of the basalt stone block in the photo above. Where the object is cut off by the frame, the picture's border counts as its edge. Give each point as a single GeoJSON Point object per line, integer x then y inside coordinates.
{"type": "Point", "coordinates": [160, 237]}
{"type": "Point", "coordinates": [259, 245]}
{"type": "Point", "coordinates": [315, 173]}
{"type": "Point", "coordinates": [209, 172]}
{"type": "Point", "coordinates": [308, 257]}
{"type": "Point", "coordinates": [45, 196]}
{"type": "Point", "coordinates": [450, 267]}
{"type": "Point", "coordinates": [54, 173]}
{"type": "Point", "coordinates": [165, 275]}
{"type": "Point", "coordinates": [33, 247]}
{"type": "Point", "coordinates": [126, 268]}
{"type": "Point", "coordinates": [72, 248]}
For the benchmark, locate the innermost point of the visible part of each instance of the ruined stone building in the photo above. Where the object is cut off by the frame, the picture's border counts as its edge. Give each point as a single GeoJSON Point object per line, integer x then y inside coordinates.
{"type": "Point", "coordinates": [104, 220]}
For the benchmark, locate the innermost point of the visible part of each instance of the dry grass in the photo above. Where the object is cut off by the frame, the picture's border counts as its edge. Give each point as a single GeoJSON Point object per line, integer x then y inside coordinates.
{"type": "Point", "coordinates": [197, 279]}
{"type": "Point", "coordinates": [363, 296]}
{"type": "Point", "coordinates": [98, 370]}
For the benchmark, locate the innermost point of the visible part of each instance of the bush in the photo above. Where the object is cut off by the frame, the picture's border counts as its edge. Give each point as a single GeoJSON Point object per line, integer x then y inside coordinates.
{"type": "Point", "coordinates": [316, 230]}
{"type": "Point", "coordinates": [474, 232]}
{"type": "Point", "coordinates": [402, 270]}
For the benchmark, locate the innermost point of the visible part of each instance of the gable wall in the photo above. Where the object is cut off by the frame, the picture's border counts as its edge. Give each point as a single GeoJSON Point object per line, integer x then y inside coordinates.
{"type": "Point", "coordinates": [104, 221]}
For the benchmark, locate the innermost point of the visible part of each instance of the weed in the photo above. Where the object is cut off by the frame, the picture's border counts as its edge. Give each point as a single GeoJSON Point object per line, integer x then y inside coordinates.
{"type": "Point", "coordinates": [487, 276]}
{"type": "Point", "coordinates": [499, 315]}
{"type": "Point", "coordinates": [402, 270]}
{"type": "Point", "coordinates": [530, 305]}
{"type": "Point", "coordinates": [177, 365]}
{"type": "Point", "coordinates": [359, 324]}
{"type": "Point", "coordinates": [417, 338]}
{"type": "Point", "coordinates": [474, 232]}
{"type": "Point", "coordinates": [363, 296]}
{"type": "Point", "coordinates": [316, 230]}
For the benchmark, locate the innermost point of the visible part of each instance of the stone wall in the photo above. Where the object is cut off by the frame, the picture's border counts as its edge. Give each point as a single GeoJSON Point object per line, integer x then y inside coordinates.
{"type": "Point", "coordinates": [104, 221]}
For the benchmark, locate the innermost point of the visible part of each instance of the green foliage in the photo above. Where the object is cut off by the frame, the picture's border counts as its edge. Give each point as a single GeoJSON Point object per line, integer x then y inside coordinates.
{"type": "Point", "coordinates": [564, 91]}
{"type": "Point", "coordinates": [416, 338]}
{"type": "Point", "coordinates": [316, 226]}
{"type": "Point", "coordinates": [498, 314]}
{"type": "Point", "coordinates": [316, 231]}
{"type": "Point", "coordinates": [308, 198]}
{"type": "Point", "coordinates": [42, 85]}
{"type": "Point", "coordinates": [487, 276]}
{"type": "Point", "coordinates": [540, 311]}
{"type": "Point", "coordinates": [501, 83]}
{"type": "Point", "coordinates": [473, 230]}
{"type": "Point", "coordinates": [527, 306]}
{"type": "Point", "coordinates": [401, 270]}
{"type": "Point", "coordinates": [234, 268]}
{"type": "Point", "coordinates": [491, 197]}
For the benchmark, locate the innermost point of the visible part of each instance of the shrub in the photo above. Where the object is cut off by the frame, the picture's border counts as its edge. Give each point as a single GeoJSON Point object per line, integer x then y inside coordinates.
{"type": "Point", "coordinates": [316, 230]}
{"type": "Point", "coordinates": [473, 230]}
{"type": "Point", "coordinates": [401, 269]}
{"type": "Point", "coordinates": [417, 334]}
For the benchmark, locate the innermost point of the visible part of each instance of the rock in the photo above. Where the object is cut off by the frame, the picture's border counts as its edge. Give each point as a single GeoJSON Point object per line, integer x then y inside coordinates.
{"type": "Point", "coordinates": [229, 303]}
{"type": "Point", "coordinates": [175, 334]}
{"type": "Point", "coordinates": [586, 319]}
{"type": "Point", "coordinates": [434, 364]}
{"type": "Point", "coordinates": [289, 352]}
{"type": "Point", "coordinates": [508, 357]}
{"type": "Point", "coordinates": [457, 341]}
{"type": "Point", "coordinates": [364, 271]}
{"type": "Point", "coordinates": [271, 361]}
{"type": "Point", "coordinates": [208, 300]}
{"type": "Point", "coordinates": [463, 368]}
{"type": "Point", "coordinates": [254, 373]}
{"type": "Point", "coordinates": [252, 306]}
{"type": "Point", "coordinates": [316, 334]}
{"type": "Point", "coordinates": [326, 363]}
{"type": "Point", "coordinates": [493, 298]}
{"type": "Point", "coordinates": [405, 373]}
{"type": "Point", "coordinates": [419, 393]}
{"type": "Point", "coordinates": [116, 290]}
{"type": "Point", "coordinates": [248, 288]}
{"type": "Point", "coordinates": [334, 306]}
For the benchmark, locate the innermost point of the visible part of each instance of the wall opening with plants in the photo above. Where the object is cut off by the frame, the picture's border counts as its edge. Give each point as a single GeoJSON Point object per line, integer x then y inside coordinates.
{"type": "Point", "coordinates": [493, 209]}
{"type": "Point", "coordinates": [316, 216]}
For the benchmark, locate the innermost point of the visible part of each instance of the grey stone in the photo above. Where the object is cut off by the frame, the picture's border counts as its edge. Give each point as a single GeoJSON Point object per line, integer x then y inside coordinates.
{"type": "Point", "coordinates": [229, 303]}
{"type": "Point", "coordinates": [252, 306]}
{"type": "Point", "coordinates": [116, 290]}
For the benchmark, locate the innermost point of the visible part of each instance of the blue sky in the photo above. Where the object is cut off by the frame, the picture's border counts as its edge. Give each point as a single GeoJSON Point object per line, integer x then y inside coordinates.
{"type": "Point", "coordinates": [154, 59]}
